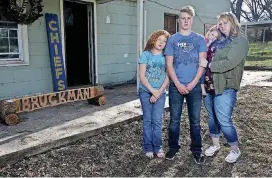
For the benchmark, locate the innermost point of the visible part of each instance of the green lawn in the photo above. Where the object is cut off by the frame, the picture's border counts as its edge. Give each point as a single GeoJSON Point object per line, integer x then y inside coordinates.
{"type": "Point", "coordinates": [258, 49]}
{"type": "Point", "coordinates": [259, 55]}
{"type": "Point", "coordinates": [262, 63]}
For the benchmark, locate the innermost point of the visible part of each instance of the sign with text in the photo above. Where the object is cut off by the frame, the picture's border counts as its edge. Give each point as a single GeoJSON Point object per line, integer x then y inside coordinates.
{"type": "Point", "coordinates": [55, 51]}
{"type": "Point", "coordinates": [27, 104]}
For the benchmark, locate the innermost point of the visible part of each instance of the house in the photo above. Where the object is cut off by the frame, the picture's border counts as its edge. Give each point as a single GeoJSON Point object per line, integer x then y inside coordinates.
{"type": "Point", "coordinates": [98, 40]}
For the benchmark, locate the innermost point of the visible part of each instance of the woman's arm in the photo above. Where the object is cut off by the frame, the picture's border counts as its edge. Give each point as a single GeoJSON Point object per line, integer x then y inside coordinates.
{"type": "Point", "coordinates": [237, 53]}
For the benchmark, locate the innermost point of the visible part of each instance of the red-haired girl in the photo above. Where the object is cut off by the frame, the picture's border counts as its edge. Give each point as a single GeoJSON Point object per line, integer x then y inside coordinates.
{"type": "Point", "coordinates": [153, 82]}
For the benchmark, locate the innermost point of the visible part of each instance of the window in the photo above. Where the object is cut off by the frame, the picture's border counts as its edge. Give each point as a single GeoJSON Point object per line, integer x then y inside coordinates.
{"type": "Point", "coordinates": [13, 42]}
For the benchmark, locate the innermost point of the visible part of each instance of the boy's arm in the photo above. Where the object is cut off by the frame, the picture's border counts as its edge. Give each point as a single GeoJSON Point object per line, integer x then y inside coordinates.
{"type": "Point", "coordinates": [202, 64]}
{"type": "Point", "coordinates": [170, 70]}
{"type": "Point", "coordinates": [201, 69]}
{"type": "Point", "coordinates": [164, 84]}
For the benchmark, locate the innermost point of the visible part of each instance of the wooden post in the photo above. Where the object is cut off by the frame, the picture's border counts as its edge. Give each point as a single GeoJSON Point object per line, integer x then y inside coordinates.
{"type": "Point", "coordinates": [101, 100]}
{"type": "Point", "coordinates": [7, 112]}
{"type": "Point", "coordinates": [140, 16]}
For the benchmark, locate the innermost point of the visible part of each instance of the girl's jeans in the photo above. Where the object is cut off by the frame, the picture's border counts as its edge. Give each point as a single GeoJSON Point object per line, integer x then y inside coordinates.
{"type": "Point", "coordinates": [220, 108]}
{"type": "Point", "coordinates": [152, 121]}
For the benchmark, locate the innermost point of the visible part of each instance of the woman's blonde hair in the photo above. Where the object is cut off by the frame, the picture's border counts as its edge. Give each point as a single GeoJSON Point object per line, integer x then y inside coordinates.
{"type": "Point", "coordinates": [154, 37]}
{"type": "Point", "coordinates": [235, 25]}
{"type": "Point", "coordinates": [214, 29]}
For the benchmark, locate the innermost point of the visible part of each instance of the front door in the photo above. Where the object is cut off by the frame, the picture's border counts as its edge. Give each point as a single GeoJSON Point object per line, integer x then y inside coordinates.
{"type": "Point", "coordinates": [170, 23]}
{"type": "Point", "coordinates": [79, 45]}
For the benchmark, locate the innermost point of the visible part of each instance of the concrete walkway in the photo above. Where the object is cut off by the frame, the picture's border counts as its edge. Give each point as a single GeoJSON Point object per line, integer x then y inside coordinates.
{"type": "Point", "coordinates": [49, 128]}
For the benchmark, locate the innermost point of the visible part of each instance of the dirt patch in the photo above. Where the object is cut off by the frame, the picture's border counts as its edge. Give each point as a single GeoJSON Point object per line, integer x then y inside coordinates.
{"type": "Point", "coordinates": [118, 151]}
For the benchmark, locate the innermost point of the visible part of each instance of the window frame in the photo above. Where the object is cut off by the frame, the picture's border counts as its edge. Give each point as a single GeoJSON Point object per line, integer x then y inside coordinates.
{"type": "Point", "coordinates": [23, 49]}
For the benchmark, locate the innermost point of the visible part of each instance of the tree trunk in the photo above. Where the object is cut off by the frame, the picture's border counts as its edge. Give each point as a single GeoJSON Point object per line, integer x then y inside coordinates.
{"type": "Point", "coordinates": [238, 9]}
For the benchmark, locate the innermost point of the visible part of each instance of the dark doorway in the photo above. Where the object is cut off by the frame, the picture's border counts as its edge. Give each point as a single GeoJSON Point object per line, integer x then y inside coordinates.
{"type": "Point", "coordinates": [77, 43]}
{"type": "Point", "coordinates": [170, 23]}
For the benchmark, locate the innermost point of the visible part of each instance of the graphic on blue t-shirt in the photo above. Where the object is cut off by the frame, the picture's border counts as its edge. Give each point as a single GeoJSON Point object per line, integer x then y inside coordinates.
{"type": "Point", "coordinates": [185, 51]}
{"type": "Point", "coordinates": [155, 69]}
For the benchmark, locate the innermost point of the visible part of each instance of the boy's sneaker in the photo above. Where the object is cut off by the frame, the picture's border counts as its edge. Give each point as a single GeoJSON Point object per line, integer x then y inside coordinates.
{"type": "Point", "coordinates": [212, 150]}
{"type": "Point", "coordinates": [233, 156]}
{"type": "Point", "coordinates": [199, 158]}
{"type": "Point", "coordinates": [170, 155]}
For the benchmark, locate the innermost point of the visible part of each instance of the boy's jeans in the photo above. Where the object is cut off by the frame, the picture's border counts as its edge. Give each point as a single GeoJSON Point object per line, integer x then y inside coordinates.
{"type": "Point", "coordinates": [194, 101]}
{"type": "Point", "coordinates": [220, 108]}
{"type": "Point", "coordinates": [152, 121]}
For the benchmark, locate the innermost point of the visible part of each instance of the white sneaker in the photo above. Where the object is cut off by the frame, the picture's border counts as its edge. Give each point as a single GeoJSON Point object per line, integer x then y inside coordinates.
{"type": "Point", "coordinates": [212, 150]}
{"type": "Point", "coordinates": [233, 156]}
{"type": "Point", "coordinates": [150, 155]}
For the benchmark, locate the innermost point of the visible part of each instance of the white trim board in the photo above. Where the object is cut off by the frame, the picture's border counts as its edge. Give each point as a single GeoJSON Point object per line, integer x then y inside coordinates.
{"type": "Point", "coordinates": [24, 49]}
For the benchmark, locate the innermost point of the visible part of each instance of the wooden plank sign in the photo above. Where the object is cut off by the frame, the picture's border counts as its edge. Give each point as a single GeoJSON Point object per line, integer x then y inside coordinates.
{"type": "Point", "coordinates": [10, 108]}
{"type": "Point", "coordinates": [32, 103]}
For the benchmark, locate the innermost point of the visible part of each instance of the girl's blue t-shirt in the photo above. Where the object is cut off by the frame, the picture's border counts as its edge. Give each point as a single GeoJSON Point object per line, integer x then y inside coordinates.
{"type": "Point", "coordinates": [155, 69]}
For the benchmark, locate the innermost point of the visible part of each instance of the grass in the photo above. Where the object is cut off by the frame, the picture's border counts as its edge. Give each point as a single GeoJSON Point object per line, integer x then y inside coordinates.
{"type": "Point", "coordinates": [259, 55]}
{"type": "Point", "coordinates": [258, 49]}
{"type": "Point", "coordinates": [259, 63]}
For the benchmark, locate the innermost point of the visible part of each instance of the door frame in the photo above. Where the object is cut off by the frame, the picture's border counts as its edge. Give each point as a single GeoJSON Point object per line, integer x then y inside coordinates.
{"type": "Point", "coordinates": [93, 58]}
{"type": "Point", "coordinates": [172, 15]}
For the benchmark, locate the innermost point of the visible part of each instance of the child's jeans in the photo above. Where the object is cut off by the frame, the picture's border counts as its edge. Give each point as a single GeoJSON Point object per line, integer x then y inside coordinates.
{"type": "Point", "coordinates": [152, 121]}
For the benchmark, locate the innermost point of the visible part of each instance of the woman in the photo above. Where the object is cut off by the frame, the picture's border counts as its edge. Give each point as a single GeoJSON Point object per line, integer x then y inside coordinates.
{"type": "Point", "coordinates": [227, 68]}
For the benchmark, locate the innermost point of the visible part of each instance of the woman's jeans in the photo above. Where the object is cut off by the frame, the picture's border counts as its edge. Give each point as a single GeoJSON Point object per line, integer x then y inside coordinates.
{"type": "Point", "coordinates": [220, 108]}
{"type": "Point", "coordinates": [152, 121]}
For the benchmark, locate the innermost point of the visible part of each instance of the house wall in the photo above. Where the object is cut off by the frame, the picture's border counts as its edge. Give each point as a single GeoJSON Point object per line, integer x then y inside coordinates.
{"type": "Point", "coordinates": [117, 42]}
{"type": "Point", "coordinates": [206, 10]}
{"type": "Point", "coordinates": [116, 51]}
{"type": "Point", "coordinates": [36, 77]}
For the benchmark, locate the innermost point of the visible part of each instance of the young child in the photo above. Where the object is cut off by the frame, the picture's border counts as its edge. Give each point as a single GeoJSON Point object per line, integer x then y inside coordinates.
{"type": "Point", "coordinates": [153, 82]}
{"type": "Point", "coordinates": [212, 35]}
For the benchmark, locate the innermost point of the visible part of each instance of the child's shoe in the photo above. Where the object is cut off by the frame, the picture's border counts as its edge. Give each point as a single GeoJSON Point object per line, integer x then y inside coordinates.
{"type": "Point", "coordinates": [150, 155]}
{"type": "Point", "coordinates": [160, 154]}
